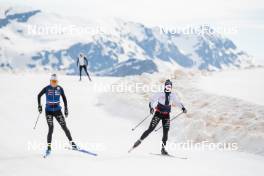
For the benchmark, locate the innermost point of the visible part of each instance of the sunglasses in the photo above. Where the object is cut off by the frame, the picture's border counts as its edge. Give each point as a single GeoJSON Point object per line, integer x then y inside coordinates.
{"type": "Point", "coordinates": [53, 81]}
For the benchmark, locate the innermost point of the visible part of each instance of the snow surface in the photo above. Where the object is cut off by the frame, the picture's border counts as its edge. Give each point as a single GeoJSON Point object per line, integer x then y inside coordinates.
{"type": "Point", "coordinates": [90, 121]}
{"type": "Point", "coordinates": [247, 84]}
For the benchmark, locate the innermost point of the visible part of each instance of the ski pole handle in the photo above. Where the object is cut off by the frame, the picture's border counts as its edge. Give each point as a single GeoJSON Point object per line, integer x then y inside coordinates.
{"type": "Point", "coordinates": [170, 121]}
{"type": "Point", "coordinates": [36, 122]}
{"type": "Point", "coordinates": [140, 122]}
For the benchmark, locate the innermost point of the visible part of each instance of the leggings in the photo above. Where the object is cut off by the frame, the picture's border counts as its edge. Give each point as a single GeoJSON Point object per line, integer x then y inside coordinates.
{"type": "Point", "coordinates": [154, 122]}
{"type": "Point", "coordinates": [59, 117]}
{"type": "Point", "coordinates": [85, 69]}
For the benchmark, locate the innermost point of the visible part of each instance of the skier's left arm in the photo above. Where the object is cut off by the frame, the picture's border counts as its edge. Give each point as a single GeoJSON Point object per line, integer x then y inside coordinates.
{"type": "Point", "coordinates": [86, 60]}
{"type": "Point", "coordinates": [178, 103]}
{"type": "Point", "coordinates": [65, 102]}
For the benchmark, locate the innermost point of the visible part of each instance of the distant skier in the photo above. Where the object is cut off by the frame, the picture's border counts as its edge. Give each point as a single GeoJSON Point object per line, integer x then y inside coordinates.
{"type": "Point", "coordinates": [162, 102]}
{"type": "Point", "coordinates": [82, 62]}
{"type": "Point", "coordinates": [53, 109]}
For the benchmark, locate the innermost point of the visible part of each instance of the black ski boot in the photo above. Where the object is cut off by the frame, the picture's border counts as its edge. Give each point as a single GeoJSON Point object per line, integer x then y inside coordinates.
{"type": "Point", "coordinates": [89, 79]}
{"type": "Point", "coordinates": [137, 143]}
{"type": "Point", "coordinates": [74, 146]}
{"type": "Point", "coordinates": [163, 151]}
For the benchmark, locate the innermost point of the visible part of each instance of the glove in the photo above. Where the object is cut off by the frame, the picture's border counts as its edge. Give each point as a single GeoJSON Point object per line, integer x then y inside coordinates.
{"type": "Point", "coordinates": [151, 110]}
{"type": "Point", "coordinates": [66, 112]}
{"type": "Point", "coordinates": [184, 110]}
{"type": "Point", "coordinates": [40, 109]}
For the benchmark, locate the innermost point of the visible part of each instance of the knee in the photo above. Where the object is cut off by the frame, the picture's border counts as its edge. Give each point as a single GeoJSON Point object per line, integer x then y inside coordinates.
{"type": "Point", "coordinates": [150, 129]}
{"type": "Point", "coordinates": [61, 121]}
{"type": "Point", "coordinates": [63, 126]}
{"type": "Point", "coordinates": [166, 126]}
{"type": "Point", "coordinates": [51, 127]}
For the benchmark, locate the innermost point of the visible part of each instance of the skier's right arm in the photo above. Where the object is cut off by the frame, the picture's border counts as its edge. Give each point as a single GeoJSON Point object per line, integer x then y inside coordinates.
{"type": "Point", "coordinates": [77, 61]}
{"type": "Point", "coordinates": [42, 92]}
{"type": "Point", "coordinates": [153, 101]}
{"type": "Point", "coordinates": [86, 61]}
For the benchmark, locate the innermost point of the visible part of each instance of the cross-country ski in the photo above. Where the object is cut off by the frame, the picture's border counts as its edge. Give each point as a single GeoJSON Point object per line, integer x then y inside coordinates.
{"type": "Point", "coordinates": [168, 155]}
{"type": "Point", "coordinates": [81, 150]}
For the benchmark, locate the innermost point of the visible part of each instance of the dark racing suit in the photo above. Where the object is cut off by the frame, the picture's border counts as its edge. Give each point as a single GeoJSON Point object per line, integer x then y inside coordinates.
{"type": "Point", "coordinates": [162, 101]}
{"type": "Point", "coordinates": [53, 109]}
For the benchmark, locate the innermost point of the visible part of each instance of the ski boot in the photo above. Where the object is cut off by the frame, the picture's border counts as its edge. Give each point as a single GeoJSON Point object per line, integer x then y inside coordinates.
{"type": "Point", "coordinates": [48, 151]}
{"type": "Point", "coordinates": [137, 143]}
{"type": "Point", "coordinates": [163, 151]}
{"type": "Point", "coordinates": [74, 146]}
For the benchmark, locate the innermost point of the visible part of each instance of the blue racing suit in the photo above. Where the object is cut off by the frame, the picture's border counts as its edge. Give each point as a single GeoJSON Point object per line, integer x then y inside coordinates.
{"type": "Point", "coordinates": [53, 98]}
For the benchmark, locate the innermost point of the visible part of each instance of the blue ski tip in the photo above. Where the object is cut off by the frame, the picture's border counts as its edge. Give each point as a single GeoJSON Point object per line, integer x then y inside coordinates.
{"type": "Point", "coordinates": [82, 151]}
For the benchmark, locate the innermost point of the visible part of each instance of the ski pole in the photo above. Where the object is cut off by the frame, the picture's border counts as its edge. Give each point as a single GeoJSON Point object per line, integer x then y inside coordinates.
{"type": "Point", "coordinates": [141, 122]}
{"type": "Point", "coordinates": [170, 120]}
{"type": "Point", "coordinates": [36, 121]}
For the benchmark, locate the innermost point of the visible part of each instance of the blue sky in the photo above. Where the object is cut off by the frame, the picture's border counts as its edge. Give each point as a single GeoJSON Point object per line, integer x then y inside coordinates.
{"type": "Point", "coordinates": [247, 16]}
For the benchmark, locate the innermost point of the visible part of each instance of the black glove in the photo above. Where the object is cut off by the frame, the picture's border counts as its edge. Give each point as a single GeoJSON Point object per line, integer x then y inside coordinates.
{"type": "Point", "coordinates": [66, 112]}
{"type": "Point", "coordinates": [151, 110]}
{"type": "Point", "coordinates": [40, 109]}
{"type": "Point", "coordinates": [184, 110]}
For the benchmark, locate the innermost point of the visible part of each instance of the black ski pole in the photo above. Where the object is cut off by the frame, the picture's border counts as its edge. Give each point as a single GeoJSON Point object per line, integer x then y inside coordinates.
{"type": "Point", "coordinates": [140, 122]}
{"type": "Point", "coordinates": [36, 121]}
{"type": "Point", "coordinates": [170, 120]}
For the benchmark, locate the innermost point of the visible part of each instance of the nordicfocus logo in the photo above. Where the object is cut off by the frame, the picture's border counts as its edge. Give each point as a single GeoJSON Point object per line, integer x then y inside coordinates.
{"type": "Point", "coordinates": [127, 87]}
{"type": "Point", "coordinates": [198, 30]}
{"type": "Point", "coordinates": [203, 146]}
{"type": "Point", "coordinates": [60, 29]}
{"type": "Point", "coordinates": [59, 145]}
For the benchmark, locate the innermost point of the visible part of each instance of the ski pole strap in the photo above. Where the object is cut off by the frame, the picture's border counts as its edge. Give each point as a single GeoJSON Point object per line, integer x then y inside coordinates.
{"type": "Point", "coordinates": [170, 120]}
{"type": "Point", "coordinates": [141, 122]}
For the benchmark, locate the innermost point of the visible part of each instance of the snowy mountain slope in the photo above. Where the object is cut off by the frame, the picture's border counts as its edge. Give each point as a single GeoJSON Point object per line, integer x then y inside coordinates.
{"type": "Point", "coordinates": [91, 124]}
{"type": "Point", "coordinates": [109, 45]}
